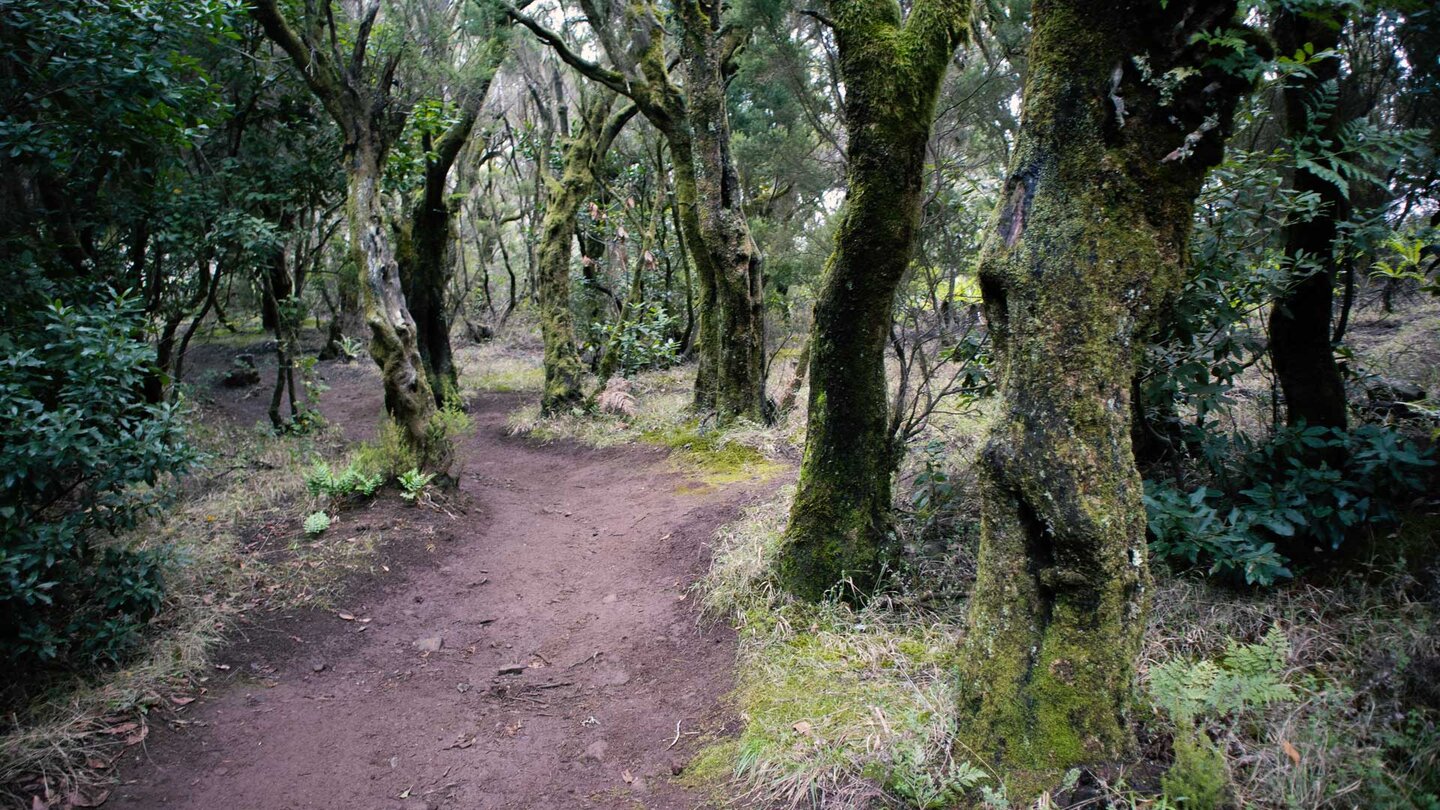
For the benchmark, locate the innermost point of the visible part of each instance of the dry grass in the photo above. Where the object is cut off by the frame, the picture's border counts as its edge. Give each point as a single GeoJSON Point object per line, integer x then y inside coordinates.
{"type": "Point", "coordinates": [879, 732]}
{"type": "Point", "coordinates": [233, 535]}
{"type": "Point", "coordinates": [1357, 648]}
{"type": "Point", "coordinates": [663, 416]}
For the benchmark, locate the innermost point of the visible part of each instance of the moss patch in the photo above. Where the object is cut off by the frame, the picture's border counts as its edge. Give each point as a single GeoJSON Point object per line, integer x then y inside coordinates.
{"type": "Point", "coordinates": [708, 458]}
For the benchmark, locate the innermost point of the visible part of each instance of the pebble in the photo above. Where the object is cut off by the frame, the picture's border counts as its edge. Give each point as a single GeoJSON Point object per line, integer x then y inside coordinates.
{"type": "Point", "coordinates": [431, 644]}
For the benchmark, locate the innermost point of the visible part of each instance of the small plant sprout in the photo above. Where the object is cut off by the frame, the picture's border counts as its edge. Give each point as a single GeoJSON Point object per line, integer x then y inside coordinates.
{"type": "Point", "coordinates": [413, 484]}
{"type": "Point", "coordinates": [316, 523]}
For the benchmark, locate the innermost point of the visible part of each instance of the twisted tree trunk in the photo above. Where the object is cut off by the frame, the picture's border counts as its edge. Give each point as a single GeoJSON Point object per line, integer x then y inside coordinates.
{"type": "Point", "coordinates": [1089, 241]}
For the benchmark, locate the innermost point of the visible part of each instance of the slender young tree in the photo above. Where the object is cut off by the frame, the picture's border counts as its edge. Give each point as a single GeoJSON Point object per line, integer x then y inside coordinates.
{"type": "Point", "coordinates": [695, 124]}
{"type": "Point", "coordinates": [584, 153]}
{"type": "Point", "coordinates": [428, 238]}
{"type": "Point", "coordinates": [1088, 242]}
{"type": "Point", "coordinates": [892, 66]}
{"type": "Point", "coordinates": [361, 100]}
{"type": "Point", "coordinates": [1301, 318]}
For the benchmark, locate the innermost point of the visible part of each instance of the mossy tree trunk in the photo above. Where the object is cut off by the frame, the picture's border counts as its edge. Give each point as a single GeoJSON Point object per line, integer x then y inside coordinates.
{"type": "Point", "coordinates": [370, 119]}
{"type": "Point", "coordinates": [1089, 241]}
{"type": "Point", "coordinates": [1300, 319]}
{"type": "Point", "coordinates": [892, 68]}
{"type": "Point", "coordinates": [693, 120]}
{"type": "Point", "coordinates": [733, 315]}
{"type": "Point", "coordinates": [584, 154]}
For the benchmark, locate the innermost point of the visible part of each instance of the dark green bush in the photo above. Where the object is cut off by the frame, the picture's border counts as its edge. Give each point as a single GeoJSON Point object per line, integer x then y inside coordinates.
{"type": "Point", "coordinates": [1259, 494]}
{"type": "Point", "coordinates": [81, 453]}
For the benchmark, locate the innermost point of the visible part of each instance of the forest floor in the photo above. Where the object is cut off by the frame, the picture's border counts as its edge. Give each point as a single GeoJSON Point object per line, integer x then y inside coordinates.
{"type": "Point", "coordinates": [537, 645]}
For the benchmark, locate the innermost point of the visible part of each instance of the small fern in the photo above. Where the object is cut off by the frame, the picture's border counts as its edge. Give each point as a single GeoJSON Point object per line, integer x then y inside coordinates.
{"type": "Point", "coordinates": [316, 523]}
{"type": "Point", "coordinates": [413, 484]}
{"type": "Point", "coordinates": [928, 789]}
{"type": "Point", "coordinates": [1247, 676]}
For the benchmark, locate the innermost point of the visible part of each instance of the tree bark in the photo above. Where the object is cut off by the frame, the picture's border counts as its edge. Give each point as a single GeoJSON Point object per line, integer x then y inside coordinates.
{"type": "Point", "coordinates": [428, 262]}
{"type": "Point", "coordinates": [1090, 240]}
{"type": "Point", "coordinates": [733, 310]}
{"type": "Point", "coordinates": [393, 342]}
{"type": "Point", "coordinates": [1300, 320]}
{"type": "Point", "coordinates": [584, 155]}
{"type": "Point", "coordinates": [892, 69]}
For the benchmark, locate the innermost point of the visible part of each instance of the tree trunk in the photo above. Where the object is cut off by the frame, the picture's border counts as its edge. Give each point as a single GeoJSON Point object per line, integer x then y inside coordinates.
{"type": "Point", "coordinates": [733, 314]}
{"type": "Point", "coordinates": [892, 72]}
{"type": "Point", "coordinates": [393, 343]}
{"type": "Point", "coordinates": [1300, 320]}
{"type": "Point", "coordinates": [697, 130]}
{"type": "Point", "coordinates": [583, 156]}
{"type": "Point", "coordinates": [1089, 241]}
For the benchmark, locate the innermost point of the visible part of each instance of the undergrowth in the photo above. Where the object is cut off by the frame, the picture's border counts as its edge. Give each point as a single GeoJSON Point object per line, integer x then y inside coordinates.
{"type": "Point", "coordinates": [234, 543]}
{"type": "Point", "coordinates": [1313, 696]}
{"type": "Point", "coordinates": [843, 706]}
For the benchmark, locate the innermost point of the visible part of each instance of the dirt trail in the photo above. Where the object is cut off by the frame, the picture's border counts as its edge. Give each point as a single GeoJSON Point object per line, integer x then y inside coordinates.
{"type": "Point", "coordinates": [572, 565]}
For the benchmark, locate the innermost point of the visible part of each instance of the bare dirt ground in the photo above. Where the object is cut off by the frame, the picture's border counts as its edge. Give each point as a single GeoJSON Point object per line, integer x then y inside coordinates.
{"type": "Point", "coordinates": [572, 670]}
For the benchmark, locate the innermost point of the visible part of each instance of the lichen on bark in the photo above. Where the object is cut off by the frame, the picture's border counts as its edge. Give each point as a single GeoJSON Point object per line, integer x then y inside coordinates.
{"type": "Point", "coordinates": [1087, 245]}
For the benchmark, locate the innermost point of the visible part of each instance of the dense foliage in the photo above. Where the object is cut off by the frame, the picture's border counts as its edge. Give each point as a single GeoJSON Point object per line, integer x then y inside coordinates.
{"type": "Point", "coordinates": [82, 455]}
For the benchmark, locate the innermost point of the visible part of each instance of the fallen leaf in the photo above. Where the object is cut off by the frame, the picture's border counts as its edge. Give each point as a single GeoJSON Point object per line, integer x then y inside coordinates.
{"type": "Point", "coordinates": [123, 728]}
{"type": "Point", "coordinates": [349, 617]}
{"type": "Point", "coordinates": [138, 737]}
{"type": "Point", "coordinates": [627, 776]}
{"type": "Point", "coordinates": [180, 700]}
{"type": "Point", "coordinates": [97, 764]}
{"type": "Point", "coordinates": [1290, 751]}
{"type": "Point", "coordinates": [803, 727]}
{"type": "Point", "coordinates": [78, 799]}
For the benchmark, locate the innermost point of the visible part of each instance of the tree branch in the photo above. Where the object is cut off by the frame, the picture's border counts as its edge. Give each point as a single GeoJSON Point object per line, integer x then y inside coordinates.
{"type": "Point", "coordinates": [590, 70]}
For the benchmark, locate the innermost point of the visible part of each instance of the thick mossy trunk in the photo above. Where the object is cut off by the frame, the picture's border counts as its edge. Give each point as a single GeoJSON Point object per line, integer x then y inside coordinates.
{"type": "Point", "coordinates": [892, 72]}
{"type": "Point", "coordinates": [732, 320]}
{"type": "Point", "coordinates": [393, 344]}
{"type": "Point", "coordinates": [583, 156]}
{"type": "Point", "coordinates": [1089, 241]}
{"type": "Point", "coordinates": [1300, 320]}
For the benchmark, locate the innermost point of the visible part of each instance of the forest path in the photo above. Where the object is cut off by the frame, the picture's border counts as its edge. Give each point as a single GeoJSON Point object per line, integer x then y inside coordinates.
{"type": "Point", "coordinates": [571, 565]}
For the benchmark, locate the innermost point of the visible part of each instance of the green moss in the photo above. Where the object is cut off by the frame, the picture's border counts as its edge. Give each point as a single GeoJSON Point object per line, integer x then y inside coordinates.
{"type": "Point", "coordinates": [1199, 779]}
{"type": "Point", "coordinates": [708, 458]}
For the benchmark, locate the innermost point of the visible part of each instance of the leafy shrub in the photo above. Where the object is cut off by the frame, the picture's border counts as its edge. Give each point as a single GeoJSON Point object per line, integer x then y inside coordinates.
{"type": "Point", "coordinates": [1276, 489]}
{"type": "Point", "coordinates": [81, 453]}
{"type": "Point", "coordinates": [645, 341]}
{"type": "Point", "coordinates": [316, 523]}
